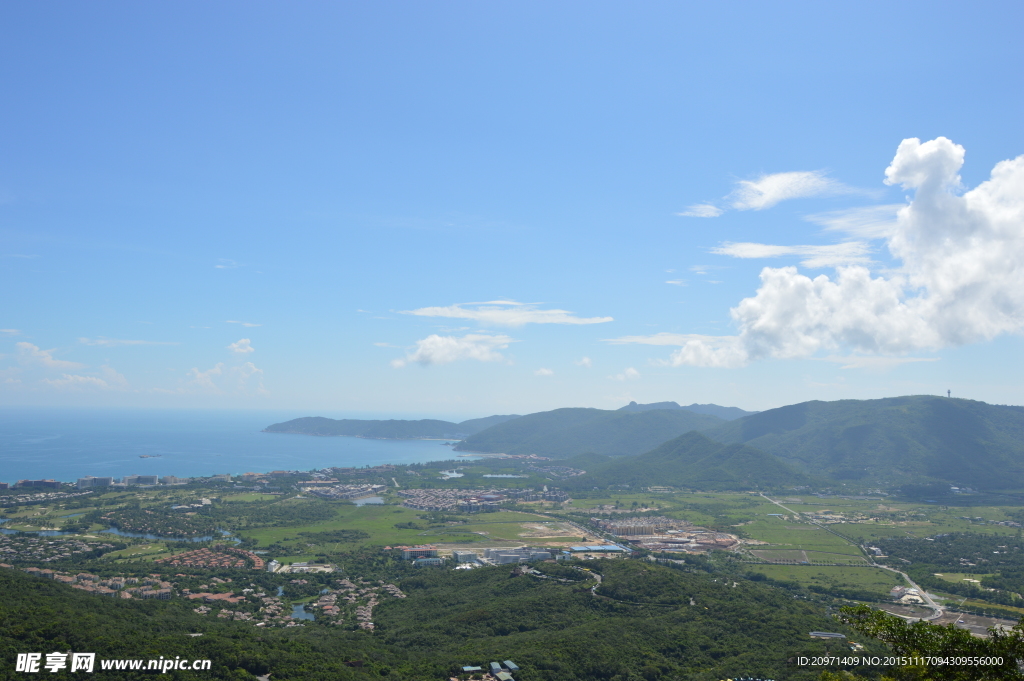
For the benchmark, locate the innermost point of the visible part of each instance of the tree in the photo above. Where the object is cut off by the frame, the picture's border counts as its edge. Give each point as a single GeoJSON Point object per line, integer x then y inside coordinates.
{"type": "Point", "coordinates": [916, 640]}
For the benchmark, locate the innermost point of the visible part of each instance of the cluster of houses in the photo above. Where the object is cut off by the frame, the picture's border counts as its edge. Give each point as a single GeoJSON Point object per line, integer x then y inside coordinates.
{"type": "Point", "coordinates": [331, 489]}
{"type": "Point", "coordinates": [219, 557]}
{"type": "Point", "coordinates": [47, 549]}
{"type": "Point", "coordinates": [350, 593]}
{"type": "Point", "coordinates": [114, 587]}
{"type": "Point", "coordinates": [907, 596]}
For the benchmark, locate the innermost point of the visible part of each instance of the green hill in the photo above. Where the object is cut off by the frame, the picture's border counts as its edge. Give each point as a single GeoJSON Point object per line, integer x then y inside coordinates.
{"type": "Point", "coordinates": [692, 460]}
{"type": "Point", "coordinates": [392, 429]}
{"type": "Point", "coordinates": [567, 432]}
{"type": "Point", "coordinates": [726, 413]}
{"type": "Point", "coordinates": [890, 441]}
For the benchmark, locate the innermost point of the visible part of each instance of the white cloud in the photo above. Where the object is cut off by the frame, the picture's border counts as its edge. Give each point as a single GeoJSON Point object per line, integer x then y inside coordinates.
{"type": "Point", "coordinates": [232, 321]}
{"type": "Point", "coordinates": [505, 313]}
{"type": "Point", "coordinates": [663, 338]}
{"type": "Point", "coordinates": [242, 346]}
{"type": "Point", "coordinates": [865, 222]}
{"type": "Point", "coordinates": [203, 380]}
{"type": "Point", "coordinates": [246, 379]}
{"type": "Point", "coordinates": [226, 264]}
{"type": "Point", "coordinates": [768, 190]}
{"type": "Point", "coordinates": [10, 332]}
{"type": "Point", "coordinates": [109, 379]}
{"type": "Point", "coordinates": [31, 355]}
{"type": "Point", "coordinates": [831, 255]}
{"type": "Point", "coordinates": [696, 349]}
{"type": "Point", "coordinates": [585, 362]}
{"type": "Point", "coordinates": [436, 349]}
{"type": "Point", "coordinates": [676, 282]}
{"type": "Point", "coordinates": [113, 342]}
{"type": "Point", "coordinates": [543, 372]}
{"type": "Point", "coordinates": [702, 210]}
{"type": "Point", "coordinates": [628, 375]}
{"type": "Point", "coordinates": [959, 280]}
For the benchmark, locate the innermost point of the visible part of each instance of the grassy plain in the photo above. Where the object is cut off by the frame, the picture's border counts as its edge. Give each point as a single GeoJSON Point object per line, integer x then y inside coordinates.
{"type": "Point", "coordinates": [876, 580]}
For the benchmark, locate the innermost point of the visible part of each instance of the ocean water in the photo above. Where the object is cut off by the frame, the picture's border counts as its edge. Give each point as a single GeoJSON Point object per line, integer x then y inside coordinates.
{"type": "Point", "coordinates": [66, 444]}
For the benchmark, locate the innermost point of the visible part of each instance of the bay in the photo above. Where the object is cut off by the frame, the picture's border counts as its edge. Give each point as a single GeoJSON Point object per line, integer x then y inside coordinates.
{"type": "Point", "coordinates": [66, 444]}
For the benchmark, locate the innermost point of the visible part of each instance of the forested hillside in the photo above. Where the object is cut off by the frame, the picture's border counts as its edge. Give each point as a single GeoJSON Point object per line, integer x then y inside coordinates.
{"type": "Point", "coordinates": [645, 621]}
{"type": "Point", "coordinates": [693, 460]}
{"type": "Point", "coordinates": [725, 413]}
{"type": "Point", "coordinates": [894, 440]}
{"type": "Point", "coordinates": [392, 429]}
{"type": "Point", "coordinates": [564, 433]}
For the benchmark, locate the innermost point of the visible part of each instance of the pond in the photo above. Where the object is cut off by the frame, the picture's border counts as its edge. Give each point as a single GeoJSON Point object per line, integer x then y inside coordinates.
{"type": "Point", "coordinates": [299, 612]}
{"type": "Point", "coordinates": [368, 500]}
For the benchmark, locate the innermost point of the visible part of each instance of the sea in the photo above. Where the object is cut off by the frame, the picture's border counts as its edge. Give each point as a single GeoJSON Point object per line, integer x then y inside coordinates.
{"type": "Point", "coordinates": [67, 444]}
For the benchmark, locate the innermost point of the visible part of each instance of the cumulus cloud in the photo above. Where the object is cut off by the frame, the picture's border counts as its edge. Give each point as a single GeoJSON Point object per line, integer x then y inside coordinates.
{"type": "Point", "coordinates": [31, 355]}
{"type": "Point", "coordinates": [584, 362]}
{"type": "Point", "coordinates": [246, 379]}
{"type": "Point", "coordinates": [702, 210]}
{"type": "Point", "coordinates": [628, 375]}
{"type": "Point", "coordinates": [543, 372]}
{"type": "Point", "coordinates": [204, 380]}
{"type": "Point", "coordinates": [959, 278]}
{"type": "Point", "coordinates": [114, 342]}
{"type": "Point", "coordinates": [830, 255]}
{"type": "Point", "coordinates": [435, 349]}
{"type": "Point", "coordinates": [242, 346]}
{"type": "Point", "coordinates": [506, 313]}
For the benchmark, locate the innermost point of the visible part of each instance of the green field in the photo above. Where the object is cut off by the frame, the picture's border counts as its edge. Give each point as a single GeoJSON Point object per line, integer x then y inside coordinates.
{"type": "Point", "coordinates": [875, 580]}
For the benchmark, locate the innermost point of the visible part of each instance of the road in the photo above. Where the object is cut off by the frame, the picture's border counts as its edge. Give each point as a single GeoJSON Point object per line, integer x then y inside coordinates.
{"type": "Point", "coordinates": [928, 601]}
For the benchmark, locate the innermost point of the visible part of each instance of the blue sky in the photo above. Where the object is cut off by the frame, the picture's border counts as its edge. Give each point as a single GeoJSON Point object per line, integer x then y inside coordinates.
{"type": "Point", "coordinates": [457, 209]}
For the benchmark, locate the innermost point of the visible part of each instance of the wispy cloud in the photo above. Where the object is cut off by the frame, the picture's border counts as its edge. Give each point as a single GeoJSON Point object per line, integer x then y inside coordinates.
{"type": "Point", "coordinates": [829, 255]}
{"type": "Point", "coordinates": [584, 362]}
{"type": "Point", "coordinates": [108, 379]}
{"type": "Point", "coordinates": [102, 341]}
{"type": "Point", "coordinates": [628, 374]}
{"type": "Point", "coordinates": [768, 190]}
{"type": "Point", "coordinates": [701, 210]}
{"type": "Point", "coordinates": [865, 222]}
{"type": "Point", "coordinates": [436, 349]}
{"type": "Point", "coordinates": [32, 355]}
{"type": "Point", "coordinates": [234, 321]}
{"type": "Point", "coordinates": [11, 332]}
{"type": "Point", "coordinates": [874, 362]}
{"type": "Point", "coordinates": [543, 372]}
{"type": "Point", "coordinates": [676, 282]}
{"type": "Point", "coordinates": [506, 313]}
{"type": "Point", "coordinates": [242, 346]}
{"type": "Point", "coordinates": [226, 264]}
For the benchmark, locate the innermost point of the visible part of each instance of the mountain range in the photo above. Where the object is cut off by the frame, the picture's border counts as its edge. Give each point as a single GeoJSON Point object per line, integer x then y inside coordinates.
{"type": "Point", "coordinates": [890, 442]}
